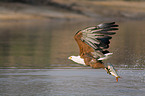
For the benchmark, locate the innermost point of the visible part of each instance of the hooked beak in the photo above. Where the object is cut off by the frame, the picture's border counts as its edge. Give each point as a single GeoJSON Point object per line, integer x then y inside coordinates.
{"type": "Point", "coordinates": [70, 57]}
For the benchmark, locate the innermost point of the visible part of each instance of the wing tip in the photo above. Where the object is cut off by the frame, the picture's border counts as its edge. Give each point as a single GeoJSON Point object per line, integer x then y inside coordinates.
{"type": "Point", "coordinates": [108, 25]}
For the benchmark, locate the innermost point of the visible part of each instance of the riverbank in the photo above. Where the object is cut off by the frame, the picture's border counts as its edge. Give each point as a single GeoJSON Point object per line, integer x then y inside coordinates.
{"type": "Point", "coordinates": [74, 10]}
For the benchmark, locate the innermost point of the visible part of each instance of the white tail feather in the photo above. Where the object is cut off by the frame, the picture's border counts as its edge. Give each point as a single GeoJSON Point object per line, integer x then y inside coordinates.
{"type": "Point", "coordinates": [106, 56]}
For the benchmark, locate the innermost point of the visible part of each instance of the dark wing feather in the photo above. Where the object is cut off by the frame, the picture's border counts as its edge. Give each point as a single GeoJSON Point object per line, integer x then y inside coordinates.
{"type": "Point", "coordinates": [84, 47]}
{"type": "Point", "coordinates": [95, 40]}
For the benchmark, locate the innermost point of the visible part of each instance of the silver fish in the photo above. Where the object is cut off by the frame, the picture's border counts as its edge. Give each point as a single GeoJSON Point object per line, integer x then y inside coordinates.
{"type": "Point", "coordinates": [112, 71]}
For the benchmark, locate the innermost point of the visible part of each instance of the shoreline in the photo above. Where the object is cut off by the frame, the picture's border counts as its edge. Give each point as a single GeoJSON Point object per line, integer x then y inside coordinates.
{"type": "Point", "coordinates": [100, 10]}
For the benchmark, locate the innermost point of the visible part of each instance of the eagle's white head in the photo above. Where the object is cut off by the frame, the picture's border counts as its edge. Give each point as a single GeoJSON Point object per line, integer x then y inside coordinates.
{"type": "Point", "coordinates": [77, 59]}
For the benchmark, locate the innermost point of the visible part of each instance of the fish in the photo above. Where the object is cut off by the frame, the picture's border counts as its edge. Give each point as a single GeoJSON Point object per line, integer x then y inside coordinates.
{"type": "Point", "coordinates": [112, 71]}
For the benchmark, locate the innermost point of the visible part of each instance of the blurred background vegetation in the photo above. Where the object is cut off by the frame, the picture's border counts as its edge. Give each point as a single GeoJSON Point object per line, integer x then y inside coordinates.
{"type": "Point", "coordinates": [72, 9]}
{"type": "Point", "coordinates": [47, 1]}
{"type": "Point", "coordinates": [29, 1]}
{"type": "Point", "coordinates": [44, 2]}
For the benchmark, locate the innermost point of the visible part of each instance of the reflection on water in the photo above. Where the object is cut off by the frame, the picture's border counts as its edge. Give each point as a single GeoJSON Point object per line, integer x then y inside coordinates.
{"type": "Point", "coordinates": [45, 44]}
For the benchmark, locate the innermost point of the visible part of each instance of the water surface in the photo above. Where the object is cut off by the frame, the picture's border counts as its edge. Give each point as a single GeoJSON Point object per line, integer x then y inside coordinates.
{"type": "Point", "coordinates": [71, 82]}
{"type": "Point", "coordinates": [48, 44]}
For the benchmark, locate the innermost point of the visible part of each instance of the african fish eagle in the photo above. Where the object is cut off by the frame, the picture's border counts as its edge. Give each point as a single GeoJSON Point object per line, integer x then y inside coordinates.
{"type": "Point", "coordinates": [93, 43]}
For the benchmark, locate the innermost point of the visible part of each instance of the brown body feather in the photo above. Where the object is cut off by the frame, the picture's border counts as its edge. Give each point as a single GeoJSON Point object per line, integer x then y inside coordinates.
{"type": "Point", "coordinates": [85, 52]}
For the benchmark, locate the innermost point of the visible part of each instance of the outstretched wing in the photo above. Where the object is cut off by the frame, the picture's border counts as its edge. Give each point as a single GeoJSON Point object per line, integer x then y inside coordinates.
{"type": "Point", "coordinates": [94, 41]}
